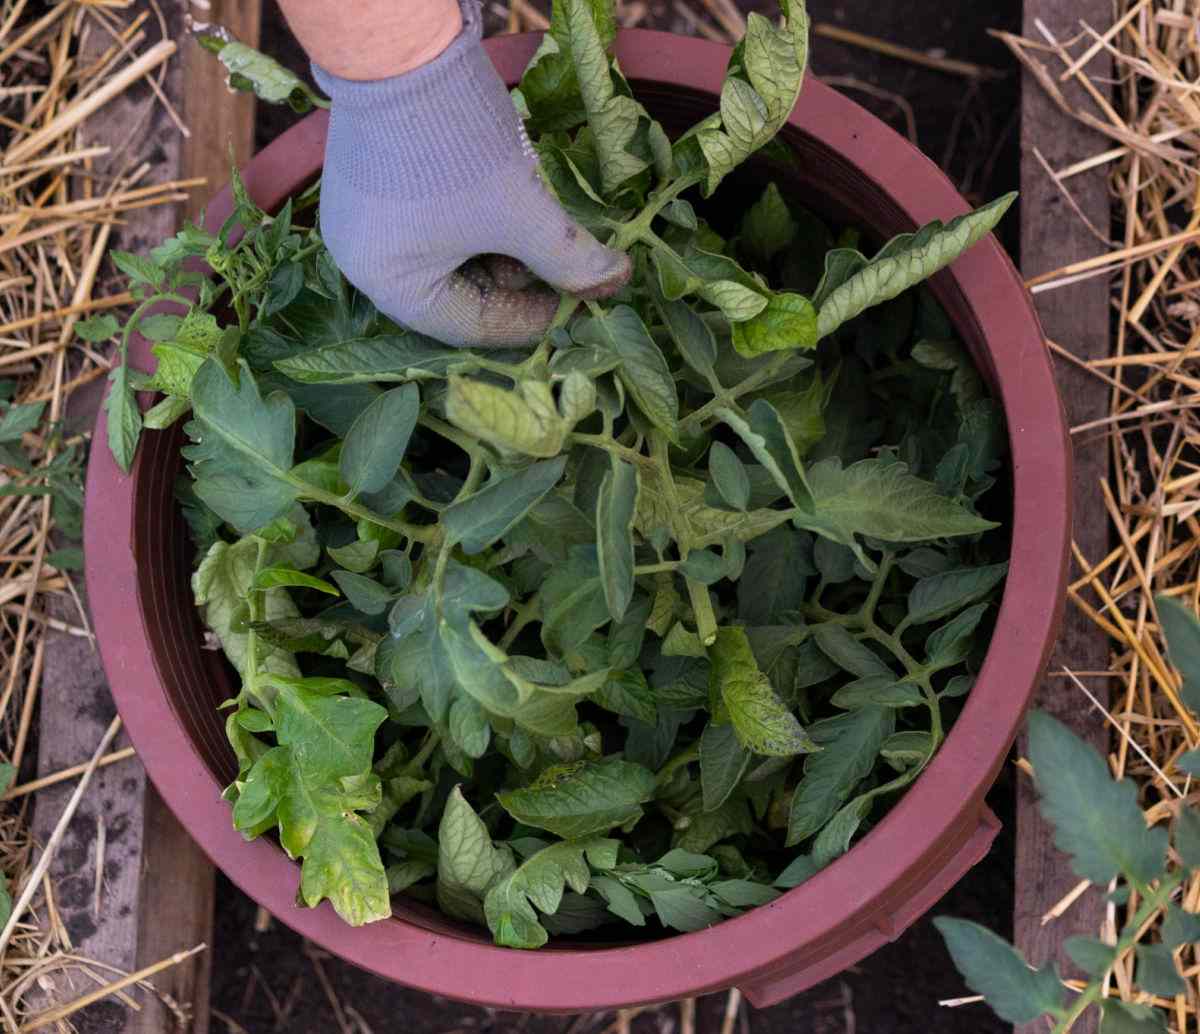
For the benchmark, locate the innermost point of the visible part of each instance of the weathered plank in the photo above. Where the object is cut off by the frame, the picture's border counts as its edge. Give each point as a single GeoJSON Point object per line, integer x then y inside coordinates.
{"type": "Point", "coordinates": [157, 891]}
{"type": "Point", "coordinates": [220, 120]}
{"type": "Point", "coordinates": [1076, 317]}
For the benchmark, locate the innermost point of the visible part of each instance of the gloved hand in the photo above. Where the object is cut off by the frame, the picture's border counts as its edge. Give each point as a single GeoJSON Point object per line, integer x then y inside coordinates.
{"type": "Point", "coordinates": [432, 168]}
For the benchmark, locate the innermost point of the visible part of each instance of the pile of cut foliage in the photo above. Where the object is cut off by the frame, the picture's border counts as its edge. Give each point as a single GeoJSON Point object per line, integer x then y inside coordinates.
{"type": "Point", "coordinates": [644, 623]}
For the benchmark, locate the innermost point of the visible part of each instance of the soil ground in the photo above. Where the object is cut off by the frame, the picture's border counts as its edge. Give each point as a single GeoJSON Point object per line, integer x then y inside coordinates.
{"type": "Point", "coordinates": [270, 980]}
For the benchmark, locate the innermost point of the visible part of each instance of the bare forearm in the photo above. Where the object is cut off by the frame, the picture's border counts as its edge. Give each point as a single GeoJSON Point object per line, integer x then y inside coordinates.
{"type": "Point", "coordinates": [373, 39]}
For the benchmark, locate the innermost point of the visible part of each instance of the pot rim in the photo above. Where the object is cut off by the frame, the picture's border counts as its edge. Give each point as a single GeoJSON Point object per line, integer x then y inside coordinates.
{"type": "Point", "coordinates": [859, 889]}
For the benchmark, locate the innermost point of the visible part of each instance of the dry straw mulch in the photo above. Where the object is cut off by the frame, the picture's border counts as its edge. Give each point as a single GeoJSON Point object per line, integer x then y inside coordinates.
{"type": "Point", "coordinates": [59, 64]}
{"type": "Point", "coordinates": [1149, 111]}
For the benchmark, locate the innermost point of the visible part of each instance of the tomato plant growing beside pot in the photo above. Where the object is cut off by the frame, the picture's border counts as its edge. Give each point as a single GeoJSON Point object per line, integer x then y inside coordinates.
{"type": "Point", "coordinates": [618, 559]}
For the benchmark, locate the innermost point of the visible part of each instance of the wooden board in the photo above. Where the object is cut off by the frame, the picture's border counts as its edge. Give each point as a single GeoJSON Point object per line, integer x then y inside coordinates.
{"type": "Point", "coordinates": [157, 890]}
{"type": "Point", "coordinates": [1077, 318]}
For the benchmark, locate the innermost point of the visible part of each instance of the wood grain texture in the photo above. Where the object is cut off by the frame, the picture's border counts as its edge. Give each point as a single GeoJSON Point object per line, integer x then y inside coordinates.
{"type": "Point", "coordinates": [221, 121]}
{"type": "Point", "coordinates": [1076, 317]}
{"type": "Point", "coordinates": [157, 892]}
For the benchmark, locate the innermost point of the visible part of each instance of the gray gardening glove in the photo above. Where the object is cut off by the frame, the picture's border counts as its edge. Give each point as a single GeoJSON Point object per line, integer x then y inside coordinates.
{"type": "Point", "coordinates": [431, 169]}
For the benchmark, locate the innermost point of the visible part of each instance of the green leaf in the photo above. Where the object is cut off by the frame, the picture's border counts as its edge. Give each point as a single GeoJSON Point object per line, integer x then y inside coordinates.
{"type": "Point", "coordinates": [1181, 630]}
{"type": "Point", "coordinates": [369, 360]}
{"type": "Point", "coordinates": [330, 741]}
{"type": "Point", "coordinates": [221, 585]}
{"type": "Point", "coordinates": [1129, 1018]}
{"type": "Point", "coordinates": [20, 420]}
{"type": "Point", "coordinates": [375, 444]}
{"type": "Point", "coordinates": [951, 643]}
{"type": "Point", "coordinates": [264, 787]}
{"type": "Point", "coordinates": [469, 728]}
{"type": "Point", "coordinates": [478, 520]}
{"type": "Point", "coordinates": [901, 264]}
{"type": "Point", "coordinates": [849, 745]}
{"type": "Point", "coordinates": [287, 577]}
{"type": "Point", "coordinates": [364, 594]}
{"type": "Point", "coordinates": [243, 448]}
{"type": "Point", "coordinates": [998, 971]}
{"type": "Point", "coordinates": [723, 762]}
{"type": "Point", "coordinates": [767, 437]}
{"type": "Point", "coordinates": [762, 721]}
{"type": "Point", "coordinates": [834, 840]}
{"type": "Point", "coordinates": [882, 501]}
{"type": "Point", "coordinates": [124, 417]}
{"type": "Point", "coordinates": [1189, 762]}
{"type": "Point", "coordinates": [68, 558]}
{"type": "Point", "coordinates": [525, 420]}
{"type": "Point", "coordinates": [767, 226]}
{"type": "Point", "coordinates": [1157, 972]}
{"type": "Point", "coordinates": [613, 118]}
{"type": "Point", "coordinates": [692, 336]}
{"type": "Point", "coordinates": [905, 749]}
{"type": "Point", "coordinates": [255, 72]}
{"type": "Point", "coordinates": [98, 328]}
{"type": "Point", "coordinates": [773, 582]}
{"type": "Point", "coordinates": [468, 863]}
{"type": "Point", "coordinates": [160, 326]}
{"type": "Point", "coordinates": [582, 799]}
{"type": "Point", "coordinates": [176, 368]}
{"type": "Point", "coordinates": [550, 90]}
{"type": "Point", "coordinates": [625, 638]}
{"type": "Point", "coordinates": [628, 693]}
{"type": "Point", "coordinates": [643, 370]}
{"type": "Point", "coordinates": [1096, 820]}
{"type": "Point", "coordinates": [850, 654]}
{"type": "Point", "coordinates": [1092, 956]}
{"type": "Point", "coordinates": [726, 472]}
{"type": "Point", "coordinates": [1187, 837]}
{"type": "Point", "coordinates": [774, 62]}
{"type": "Point", "coordinates": [703, 566]}
{"type": "Point", "coordinates": [878, 691]}
{"type": "Point", "coordinates": [511, 906]}
{"type": "Point", "coordinates": [788, 321]}
{"type": "Point", "coordinates": [573, 601]}
{"type": "Point", "coordinates": [614, 535]}
{"type": "Point", "coordinates": [138, 268]}
{"type": "Point", "coordinates": [940, 595]}
{"type": "Point", "coordinates": [737, 303]}
{"type": "Point", "coordinates": [1180, 927]}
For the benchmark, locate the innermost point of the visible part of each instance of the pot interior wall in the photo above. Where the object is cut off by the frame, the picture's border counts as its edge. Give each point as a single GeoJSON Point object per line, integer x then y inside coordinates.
{"type": "Point", "coordinates": [196, 679]}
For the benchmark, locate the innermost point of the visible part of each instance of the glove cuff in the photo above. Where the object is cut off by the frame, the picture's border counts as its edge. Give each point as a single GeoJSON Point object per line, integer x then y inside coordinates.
{"type": "Point", "coordinates": [438, 128]}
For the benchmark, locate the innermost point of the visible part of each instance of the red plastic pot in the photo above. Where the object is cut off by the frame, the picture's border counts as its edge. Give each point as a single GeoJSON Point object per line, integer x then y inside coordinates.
{"type": "Point", "coordinates": [166, 686]}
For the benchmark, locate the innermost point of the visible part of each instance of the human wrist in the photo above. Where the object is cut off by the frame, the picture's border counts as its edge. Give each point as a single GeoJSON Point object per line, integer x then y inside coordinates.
{"type": "Point", "coordinates": [395, 38]}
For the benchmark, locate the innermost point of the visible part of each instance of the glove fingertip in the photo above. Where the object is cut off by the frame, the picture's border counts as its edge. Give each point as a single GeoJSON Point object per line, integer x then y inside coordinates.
{"type": "Point", "coordinates": [616, 277]}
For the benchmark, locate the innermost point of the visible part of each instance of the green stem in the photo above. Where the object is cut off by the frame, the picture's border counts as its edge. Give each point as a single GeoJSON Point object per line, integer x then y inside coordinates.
{"type": "Point", "coordinates": [599, 441]}
{"type": "Point", "coordinates": [877, 587]}
{"type": "Point", "coordinates": [254, 604]}
{"type": "Point", "coordinates": [426, 533]}
{"type": "Point", "coordinates": [567, 304]}
{"type": "Point", "coordinates": [474, 476]}
{"type": "Point", "coordinates": [260, 278]}
{"type": "Point", "coordinates": [706, 619]}
{"type": "Point", "coordinates": [729, 396]}
{"type": "Point", "coordinates": [1092, 993]}
{"type": "Point", "coordinates": [439, 427]}
{"type": "Point", "coordinates": [686, 756]}
{"type": "Point", "coordinates": [666, 567]}
{"type": "Point", "coordinates": [526, 613]}
{"type": "Point", "coordinates": [432, 739]}
{"type": "Point", "coordinates": [629, 233]}
{"type": "Point", "coordinates": [136, 316]}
